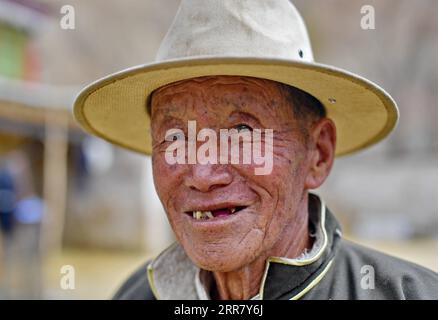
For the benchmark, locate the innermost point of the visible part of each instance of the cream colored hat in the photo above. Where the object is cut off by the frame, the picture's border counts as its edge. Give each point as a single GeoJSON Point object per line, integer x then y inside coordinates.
{"type": "Point", "coordinates": [255, 38]}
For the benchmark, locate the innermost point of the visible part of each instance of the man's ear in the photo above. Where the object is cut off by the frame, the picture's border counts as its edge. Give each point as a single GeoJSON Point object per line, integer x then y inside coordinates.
{"type": "Point", "coordinates": [322, 152]}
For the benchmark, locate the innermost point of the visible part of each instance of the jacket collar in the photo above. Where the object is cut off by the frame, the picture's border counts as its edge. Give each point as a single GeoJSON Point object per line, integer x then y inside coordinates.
{"type": "Point", "coordinates": [172, 275]}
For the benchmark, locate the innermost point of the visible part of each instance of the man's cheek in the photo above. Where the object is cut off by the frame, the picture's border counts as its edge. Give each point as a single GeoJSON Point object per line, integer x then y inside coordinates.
{"type": "Point", "coordinates": [161, 165]}
{"type": "Point", "coordinates": [163, 186]}
{"type": "Point", "coordinates": [175, 220]}
{"type": "Point", "coordinates": [165, 173]}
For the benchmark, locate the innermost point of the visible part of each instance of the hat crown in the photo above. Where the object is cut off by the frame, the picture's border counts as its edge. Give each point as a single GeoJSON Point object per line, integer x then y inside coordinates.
{"type": "Point", "coordinates": [237, 28]}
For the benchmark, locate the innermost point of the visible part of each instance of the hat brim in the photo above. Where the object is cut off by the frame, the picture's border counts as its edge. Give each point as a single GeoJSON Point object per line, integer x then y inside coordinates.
{"type": "Point", "coordinates": [114, 108]}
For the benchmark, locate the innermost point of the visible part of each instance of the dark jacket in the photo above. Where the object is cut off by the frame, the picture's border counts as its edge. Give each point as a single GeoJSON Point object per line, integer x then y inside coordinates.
{"type": "Point", "coordinates": [335, 269]}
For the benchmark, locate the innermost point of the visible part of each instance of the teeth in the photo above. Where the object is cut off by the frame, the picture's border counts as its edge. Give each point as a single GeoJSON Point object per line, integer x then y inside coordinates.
{"type": "Point", "coordinates": [209, 214]}
{"type": "Point", "coordinates": [201, 215]}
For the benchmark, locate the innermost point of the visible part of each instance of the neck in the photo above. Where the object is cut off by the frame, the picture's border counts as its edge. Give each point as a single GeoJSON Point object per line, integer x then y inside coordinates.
{"type": "Point", "coordinates": [244, 283]}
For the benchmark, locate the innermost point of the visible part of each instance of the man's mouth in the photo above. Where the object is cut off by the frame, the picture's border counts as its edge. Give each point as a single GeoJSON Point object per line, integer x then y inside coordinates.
{"type": "Point", "coordinates": [212, 214]}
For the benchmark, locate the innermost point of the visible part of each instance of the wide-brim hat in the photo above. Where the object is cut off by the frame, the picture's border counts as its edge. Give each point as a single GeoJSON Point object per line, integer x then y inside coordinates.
{"type": "Point", "coordinates": [255, 38]}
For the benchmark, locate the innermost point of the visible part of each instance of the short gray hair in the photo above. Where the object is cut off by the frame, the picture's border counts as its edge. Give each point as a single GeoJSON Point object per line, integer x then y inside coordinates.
{"type": "Point", "coordinates": [307, 109]}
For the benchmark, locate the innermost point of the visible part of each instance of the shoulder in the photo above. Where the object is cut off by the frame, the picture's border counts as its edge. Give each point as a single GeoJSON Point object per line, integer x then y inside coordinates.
{"type": "Point", "coordinates": [394, 277]}
{"type": "Point", "coordinates": [136, 287]}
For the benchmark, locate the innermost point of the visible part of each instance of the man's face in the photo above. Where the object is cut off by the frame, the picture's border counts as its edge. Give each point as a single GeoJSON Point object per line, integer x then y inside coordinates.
{"type": "Point", "coordinates": [264, 204]}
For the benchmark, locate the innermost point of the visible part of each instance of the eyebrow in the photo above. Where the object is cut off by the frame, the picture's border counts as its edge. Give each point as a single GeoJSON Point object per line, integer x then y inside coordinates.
{"type": "Point", "coordinates": [246, 115]}
{"type": "Point", "coordinates": [169, 121]}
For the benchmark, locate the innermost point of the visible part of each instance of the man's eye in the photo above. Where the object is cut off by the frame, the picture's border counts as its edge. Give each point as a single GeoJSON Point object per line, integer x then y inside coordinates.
{"type": "Point", "coordinates": [175, 136]}
{"type": "Point", "coordinates": [243, 127]}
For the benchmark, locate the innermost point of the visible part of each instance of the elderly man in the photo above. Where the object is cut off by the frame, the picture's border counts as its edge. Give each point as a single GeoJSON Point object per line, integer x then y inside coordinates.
{"type": "Point", "coordinates": [249, 229]}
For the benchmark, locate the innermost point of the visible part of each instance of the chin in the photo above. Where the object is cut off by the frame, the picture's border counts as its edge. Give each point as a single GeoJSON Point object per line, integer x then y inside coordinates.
{"type": "Point", "coordinates": [225, 258]}
{"type": "Point", "coordinates": [220, 264]}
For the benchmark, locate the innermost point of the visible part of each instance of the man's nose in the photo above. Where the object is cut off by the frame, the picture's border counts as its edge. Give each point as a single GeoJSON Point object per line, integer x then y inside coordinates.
{"type": "Point", "coordinates": [207, 177]}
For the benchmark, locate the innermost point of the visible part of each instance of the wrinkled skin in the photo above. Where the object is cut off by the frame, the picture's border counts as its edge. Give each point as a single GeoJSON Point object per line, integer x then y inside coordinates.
{"type": "Point", "coordinates": [275, 222]}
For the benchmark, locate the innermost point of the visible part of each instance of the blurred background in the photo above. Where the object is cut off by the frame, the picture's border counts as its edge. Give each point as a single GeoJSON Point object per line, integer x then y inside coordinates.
{"type": "Point", "coordinates": [68, 199]}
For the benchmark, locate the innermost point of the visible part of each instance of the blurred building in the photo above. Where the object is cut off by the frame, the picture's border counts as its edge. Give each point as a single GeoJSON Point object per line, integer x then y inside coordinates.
{"type": "Point", "coordinates": [44, 68]}
{"type": "Point", "coordinates": [18, 21]}
{"type": "Point", "coordinates": [98, 196]}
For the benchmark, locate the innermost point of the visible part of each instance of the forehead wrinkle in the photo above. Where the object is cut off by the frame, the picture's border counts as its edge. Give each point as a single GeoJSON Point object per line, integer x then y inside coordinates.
{"type": "Point", "coordinates": [227, 91]}
{"type": "Point", "coordinates": [237, 94]}
{"type": "Point", "coordinates": [199, 107]}
{"type": "Point", "coordinates": [263, 86]}
{"type": "Point", "coordinates": [258, 90]}
{"type": "Point", "coordinates": [169, 101]}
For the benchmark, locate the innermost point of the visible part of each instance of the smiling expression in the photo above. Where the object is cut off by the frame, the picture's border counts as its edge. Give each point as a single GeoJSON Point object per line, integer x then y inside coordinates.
{"type": "Point", "coordinates": [224, 215]}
